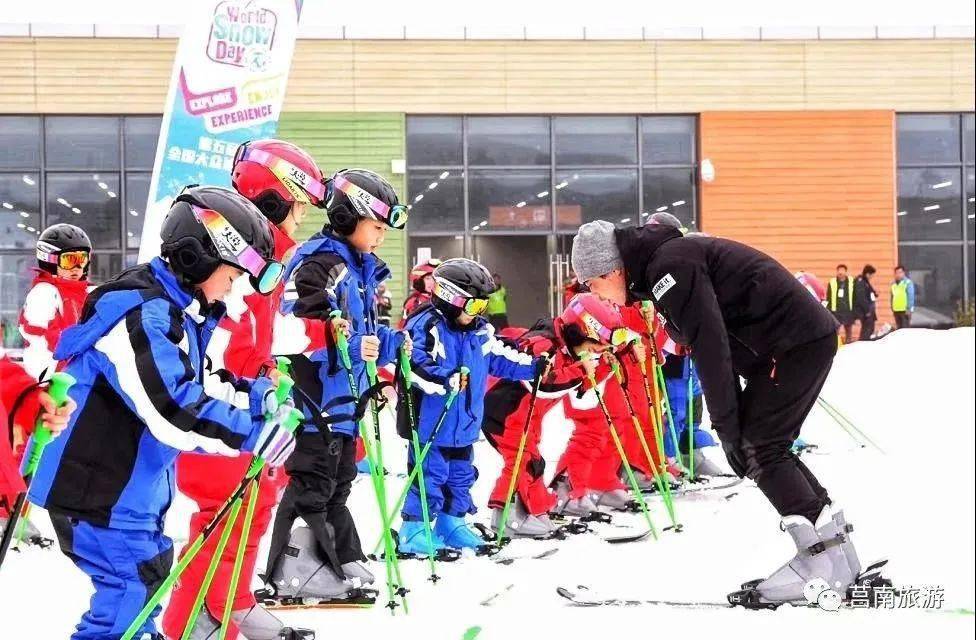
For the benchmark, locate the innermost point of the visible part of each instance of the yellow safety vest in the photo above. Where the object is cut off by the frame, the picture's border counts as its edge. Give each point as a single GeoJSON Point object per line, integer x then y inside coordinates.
{"type": "Point", "coordinates": [899, 296]}
{"type": "Point", "coordinates": [833, 294]}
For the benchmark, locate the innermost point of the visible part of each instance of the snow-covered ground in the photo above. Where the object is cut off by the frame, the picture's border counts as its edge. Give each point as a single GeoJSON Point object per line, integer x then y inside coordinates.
{"type": "Point", "coordinates": [911, 392]}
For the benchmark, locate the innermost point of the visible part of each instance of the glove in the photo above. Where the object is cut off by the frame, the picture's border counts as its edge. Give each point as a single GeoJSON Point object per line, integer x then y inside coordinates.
{"type": "Point", "coordinates": [454, 382]}
{"type": "Point", "coordinates": [274, 443]}
{"type": "Point", "coordinates": [733, 453]}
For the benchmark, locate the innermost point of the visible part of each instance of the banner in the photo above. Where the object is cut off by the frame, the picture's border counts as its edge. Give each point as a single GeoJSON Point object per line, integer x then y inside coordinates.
{"type": "Point", "coordinates": [227, 87]}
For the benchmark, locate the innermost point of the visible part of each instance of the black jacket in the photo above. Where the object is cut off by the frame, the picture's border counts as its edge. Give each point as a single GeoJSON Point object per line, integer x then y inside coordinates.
{"type": "Point", "coordinates": [865, 297]}
{"type": "Point", "coordinates": [737, 308]}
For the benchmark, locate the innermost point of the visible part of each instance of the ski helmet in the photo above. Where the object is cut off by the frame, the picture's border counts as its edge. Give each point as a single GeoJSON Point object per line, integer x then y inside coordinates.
{"type": "Point", "coordinates": [274, 175]}
{"type": "Point", "coordinates": [462, 285]}
{"type": "Point", "coordinates": [353, 194]}
{"type": "Point", "coordinates": [65, 246]}
{"type": "Point", "coordinates": [207, 226]}
{"type": "Point", "coordinates": [589, 317]}
{"type": "Point", "coordinates": [418, 275]}
{"type": "Point", "coordinates": [666, 219]}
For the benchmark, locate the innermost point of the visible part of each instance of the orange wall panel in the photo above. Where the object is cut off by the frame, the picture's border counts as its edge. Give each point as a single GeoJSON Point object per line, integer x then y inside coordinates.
{"type": "Point", "coordinates": [810, 188]}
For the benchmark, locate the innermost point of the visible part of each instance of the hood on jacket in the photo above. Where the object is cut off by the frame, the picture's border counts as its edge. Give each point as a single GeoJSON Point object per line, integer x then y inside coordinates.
{"type": "Point", "coordinates": [637, 246]}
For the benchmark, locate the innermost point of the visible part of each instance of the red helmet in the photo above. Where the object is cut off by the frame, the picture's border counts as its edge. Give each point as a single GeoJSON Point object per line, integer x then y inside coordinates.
{"type": "Point", "coordinates": [274, 175]}
{"type": "Point", "coordinates": [420, 272]}
{"type": "Point", "coordinates": [587, 316]}
{"type": "Point", "coordinates": [812, 284]}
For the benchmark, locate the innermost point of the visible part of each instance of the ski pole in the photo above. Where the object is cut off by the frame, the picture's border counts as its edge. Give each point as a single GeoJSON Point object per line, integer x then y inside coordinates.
{"type": "Point", "coordinates": [407, 375]}
{"type": "Point", "coordinates": [691, 420]}
{"type": "Point", "coordinates": [846, 424]}
{"type": "Point", "coordinates": [513, 481]}
{"type": "Point", "coordinates": [662, 486]}
{"type": "Point", "coordinates": [290, 423]}
{"type": "Point", "coordinates": [393, 580]}
{"type": "Point", "coordinates": [452, 396]}
{"type": "Point", "coordinates": [661, 395]}
{"type": "Point", "coordinates": [623, 456]}
{"type": "Point", "coordinates": [283, 368]}
{"type": "Point", "coordinates": [666, 401]}
{"type": "Point", "coordinates": [654, 409]}
{"type": "Point", "coordinates": [282, 391]}
{"type": "Point", "coordinates": [58, 390]}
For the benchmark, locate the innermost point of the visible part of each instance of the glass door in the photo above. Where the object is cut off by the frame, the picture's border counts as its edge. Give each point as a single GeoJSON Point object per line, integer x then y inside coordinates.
{"type": "Point", "coordinates": [522, 265]}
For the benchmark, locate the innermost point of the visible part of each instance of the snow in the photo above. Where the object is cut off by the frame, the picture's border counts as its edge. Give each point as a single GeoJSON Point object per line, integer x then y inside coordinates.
{"type": "Point", "coordinates": [911, 393]}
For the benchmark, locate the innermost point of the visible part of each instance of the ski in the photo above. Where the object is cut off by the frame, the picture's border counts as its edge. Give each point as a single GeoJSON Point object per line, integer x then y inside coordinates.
{"type": "Point", "coordinates": [637, 537]}
{"type": "Point", "coordinates": [704, 487]}
{"type": "Point", "coordinates": [507, 560]}
{"type": "Point", "coordinates": [356, 599]}
{"type": "Point", "coordinates": [498, 594]}
{"type": "Point", "coordinates": [583, 600]}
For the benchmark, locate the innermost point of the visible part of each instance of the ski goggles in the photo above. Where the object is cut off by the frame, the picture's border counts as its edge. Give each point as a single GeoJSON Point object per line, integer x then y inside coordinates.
{"type": "Point", "coordinates": [265, 275]}
{"type": "Point", "coordinates": [395, 216]}
{"type": "Point", "coordinates": [595, 330]}
{"type": "Point", "coordinates": [77, 259]}
{"type": "Point", "coordinates": [303, 187]}
{"type": "Point", "coordinates": [456, 297]}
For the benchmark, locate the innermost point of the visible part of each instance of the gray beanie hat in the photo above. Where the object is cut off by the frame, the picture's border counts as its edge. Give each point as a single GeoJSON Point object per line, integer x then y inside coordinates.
{"type": "Point", "coordinates": [595, 250]}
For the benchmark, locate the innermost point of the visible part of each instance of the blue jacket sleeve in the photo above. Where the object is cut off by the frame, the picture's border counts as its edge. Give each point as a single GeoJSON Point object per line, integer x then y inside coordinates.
{"type": "Point", "coordinates": [390, 342]}
{"type": "Point", "coordinates": [181, 409]}
{"type": "Point", "coordinates": [430, 372]}
{"type": "Point", "coordinates": [507, 362]}
{"type": "Point", "coordinates": [911, 295]}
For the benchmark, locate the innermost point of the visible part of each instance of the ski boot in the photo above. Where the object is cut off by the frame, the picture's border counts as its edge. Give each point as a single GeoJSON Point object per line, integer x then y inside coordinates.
{"type": "Point", "coordinates": [412, 541]}
{"type": "Point", "coordinates": [257, 623]}
{"type": "Point", "coordinates": [31, 534]}
{"type": "Point", "coordinates": [820, 572]}
{"type": "Point", "coordinates": [522, 524]}
{"type": "Point", "coordinates": [456, 533]}
{"type": "Point", "coordinates": [567, 506]}
{"type": "Point", "coordinates": [358, 574]}
{"type": "Point", "coordinates": [300, 575]}
{"type": "Point", "coordinates": [703, 465]}
{"type": "Point", "coordinates": [616, 499]}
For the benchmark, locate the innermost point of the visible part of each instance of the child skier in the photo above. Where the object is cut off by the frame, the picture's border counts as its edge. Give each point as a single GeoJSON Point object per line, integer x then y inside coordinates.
{"type": "Point", "coordinates": [56, 296]}
{"type": "Point", "coordinates": [574, 342]}
{"type": "Point", "coordinates": [282, 181]}
{"type": "Point", "coordinates": [451, 333]}
{"type": "Point", "coordinates": [335, 270]}
{"type": "Point", "coordinates": [421, 288]}
{"type": "Point", "coordinates": [143, 395]}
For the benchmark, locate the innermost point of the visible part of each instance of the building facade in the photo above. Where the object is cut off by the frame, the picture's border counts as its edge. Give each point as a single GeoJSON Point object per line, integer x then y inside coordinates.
{"type": "Point", "coordinates": [817, 150]}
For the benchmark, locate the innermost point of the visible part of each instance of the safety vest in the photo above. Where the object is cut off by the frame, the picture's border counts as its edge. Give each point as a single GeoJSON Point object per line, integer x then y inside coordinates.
{"type": "Point", "coordinates": [496, 302]}
{"type": "Point", "coordinates": [833, 294]}
{"type": "Point", "coordinates": [899, 296]}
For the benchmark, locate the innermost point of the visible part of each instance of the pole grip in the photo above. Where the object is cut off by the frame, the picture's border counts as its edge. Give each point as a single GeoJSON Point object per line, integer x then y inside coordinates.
{"type": "Point", "coordinates": [58, 390]}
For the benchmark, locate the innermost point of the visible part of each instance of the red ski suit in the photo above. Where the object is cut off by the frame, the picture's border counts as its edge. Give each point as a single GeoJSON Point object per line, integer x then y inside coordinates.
{"type": "Point", "coordinates": [241, 345]}
{"type": "Point", "coordinates": [17, 395]}
{"type": "Point", "coordinates": [52, 305]}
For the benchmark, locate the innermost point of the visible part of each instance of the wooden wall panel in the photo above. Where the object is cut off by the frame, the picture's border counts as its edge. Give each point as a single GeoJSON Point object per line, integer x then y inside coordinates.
{"type": "Point", "coordinates": [812, 189]}
{"type": "Point", "coordinates": [102, 75]}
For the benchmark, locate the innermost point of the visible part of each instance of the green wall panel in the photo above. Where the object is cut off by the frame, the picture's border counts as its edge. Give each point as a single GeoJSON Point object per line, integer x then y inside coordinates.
{"type": "Point", "coordinates": [364, 140]}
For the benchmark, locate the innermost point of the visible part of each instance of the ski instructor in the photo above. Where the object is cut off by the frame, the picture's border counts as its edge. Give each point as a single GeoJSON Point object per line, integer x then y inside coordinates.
{"type": "Point", "coordinates": [744, 316]}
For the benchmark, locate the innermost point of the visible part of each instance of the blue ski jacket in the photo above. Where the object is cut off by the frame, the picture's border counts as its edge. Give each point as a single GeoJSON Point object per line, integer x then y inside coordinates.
{"type": "Point", "coordinates": [143, 395]}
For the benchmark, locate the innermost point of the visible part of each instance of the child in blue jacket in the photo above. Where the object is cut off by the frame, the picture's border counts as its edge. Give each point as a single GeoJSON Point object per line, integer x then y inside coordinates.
{"type": "Point", "coordinates": [449, 334]}
{"type": "Point", "coordinates": [143, 395]}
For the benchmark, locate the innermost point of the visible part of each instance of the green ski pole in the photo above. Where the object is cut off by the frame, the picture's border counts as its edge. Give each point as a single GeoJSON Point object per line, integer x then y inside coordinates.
{"type": "Point", "coordinates": [513, 481]}
{"type": "Point", "coordinates": [407, 372]}
{"type": "Point", "coordinates": [423, 452]}
{"type": "Point", "coordinates": [660, 393]}
{"type": "Point", "coordinates": [58, 390]}
{"type": "Point", "coordinates": [691, 420]}
{"type": "Point", "coordinates": [662, 486]}
{"type": "Point", "coordinates": [623, 457]}
{"type": "Point", "coordinates": [291, 423]}
{"type": "Point", "coordinates": [659, 375]}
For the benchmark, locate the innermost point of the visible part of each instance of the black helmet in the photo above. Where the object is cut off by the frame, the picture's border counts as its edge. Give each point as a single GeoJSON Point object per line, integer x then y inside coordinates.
{"type": "Point", "coordinates": [459, 283]}
{"type": "Point", "coordinates": [353, 194]}
{"type": "Point", "coordinates": [58, 239]}
{"type": "Point", "coordinates": [207, 226]}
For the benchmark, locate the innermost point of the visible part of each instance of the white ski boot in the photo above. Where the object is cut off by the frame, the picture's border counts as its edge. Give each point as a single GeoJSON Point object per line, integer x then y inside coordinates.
{"type": "Point", "coordinates": [572, 507]}
{"type": "Point", "coordinates": [820, 572]}
{"type": "Point", "coordinates": [522, 524]}
{"type": "Point", "coordinates": [358, 574]}
{"type": "Point", "coordinates": [300, 575]}
{"type": "Point", "coordinates": [617, 499]}
{"type": "Point", "coordinates": [703, 465]}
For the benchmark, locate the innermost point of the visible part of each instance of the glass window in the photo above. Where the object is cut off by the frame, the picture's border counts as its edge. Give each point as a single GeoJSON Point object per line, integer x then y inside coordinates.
{"type": "Point", "coordinates": [434, 141]}
{"type": "Point", "coordinates": [508, 141]}
{"type": "Point", "coordinates": [668, 139]}
{"type": "Point", "coordinates": [673, 191]}
{"type": "Point", "coordinates": [104, 267]}
{"type": "Point", "coordinates": [443, 247]}
{"type": "Point", "coordinates": [20, 206]}
{"type": "Point", "coordinates": [596, 194]}
{"type": "Point", "coordinates": [436, 200]}
{"type": "Point", "coordinates": [928, 204]}
{"type": "Point", "coordinates": [136, 197]}
{"type": "Point", "coordinates": [81, 143]}
{"type": "Point", "coordinates": [595, 140]}
{"type": "Point", "coordinates": [969, 137]}
{"type": "Point", "coordinates": [928, 139]}
{"type": "Point", "coordinates": [510, 199]}
{"type": "Point", "coordinates": [20, 142]}
{"type": "Point", "coordinates": [89, 200]}
{"type": "Point", "coordinates": [937, 273]}
{"type": "Point", "coordinates": [970, 200]}
{"type": "Point", "coordinates": [16, 274]}
{"type": "Point", "coordinates": [141, 135]}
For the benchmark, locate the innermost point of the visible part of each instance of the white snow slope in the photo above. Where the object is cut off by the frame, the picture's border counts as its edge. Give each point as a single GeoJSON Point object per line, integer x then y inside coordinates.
{"type": "Point", "coordinates": [911, 392]}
